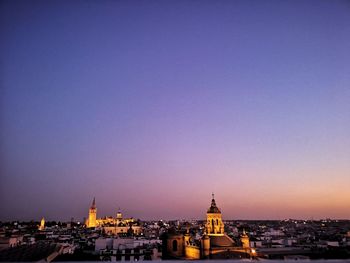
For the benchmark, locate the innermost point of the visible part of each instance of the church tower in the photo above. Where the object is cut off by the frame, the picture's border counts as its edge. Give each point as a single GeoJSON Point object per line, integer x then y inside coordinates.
{"type": "Point", "coordinates": [214, 225]}
{"type": "Point", "coordinates": [119, 216]}
{"type": "Point", "coordinates": [245, 240]}
{"type": "Point", "coordinates": [91, 222]}
{"type": "Point", "coordinates": [42, 224]}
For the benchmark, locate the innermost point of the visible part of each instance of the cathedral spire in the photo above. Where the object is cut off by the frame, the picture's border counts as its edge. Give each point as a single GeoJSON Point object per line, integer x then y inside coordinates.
{"type": "Point", "coordinates": [213, 203]}
{"type": "Point", "coordinates": [93, 203]}
{"type": "Point", "coordinates": [213, 208]}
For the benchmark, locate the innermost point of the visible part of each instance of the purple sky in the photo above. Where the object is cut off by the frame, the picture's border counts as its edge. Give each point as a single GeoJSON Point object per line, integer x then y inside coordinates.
{"type": "Point", "coordinates": [153, 105]}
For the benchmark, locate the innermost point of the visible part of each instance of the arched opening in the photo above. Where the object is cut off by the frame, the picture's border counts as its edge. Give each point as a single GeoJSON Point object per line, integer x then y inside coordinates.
{"type": "Point", "coordinates": [217, 221]}
{"type": "Point", "coordinates": [175, 245]}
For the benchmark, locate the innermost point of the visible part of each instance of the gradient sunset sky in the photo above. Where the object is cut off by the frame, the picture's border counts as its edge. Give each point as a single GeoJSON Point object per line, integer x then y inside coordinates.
{"type": "Point", "coordinates": [151, 106]}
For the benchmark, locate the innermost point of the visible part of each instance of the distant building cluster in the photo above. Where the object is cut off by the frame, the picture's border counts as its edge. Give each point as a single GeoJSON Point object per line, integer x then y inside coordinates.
{"type": "Point", "coordinates": [126, 239]}
{"type": "Point", "coordinates": [112, 225]}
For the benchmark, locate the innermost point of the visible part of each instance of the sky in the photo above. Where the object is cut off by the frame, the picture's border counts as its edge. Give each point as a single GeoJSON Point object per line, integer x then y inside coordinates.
{"type": "Point", "coordinates": [150, 106]}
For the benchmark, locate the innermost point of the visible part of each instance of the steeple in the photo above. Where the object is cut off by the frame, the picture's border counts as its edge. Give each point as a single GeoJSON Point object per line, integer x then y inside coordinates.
{"type": "Point", "coordinates": [214, 225]}
{"type": "Point", "coordinates": [91, 222]}
{"type": "Point", "coordinates": [119, 215]}
{"type": "Point", "coordinates": [42, 224]}
{"type": "Point", "coordinates": [93, 206]}
{"type": "Point", "coordinates": [213, 208]}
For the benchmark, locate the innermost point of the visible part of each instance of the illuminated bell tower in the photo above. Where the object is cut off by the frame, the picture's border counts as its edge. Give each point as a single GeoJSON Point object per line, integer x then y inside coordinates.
{"type": "Point", "coordinates": [42, 224]}
{"type": "Point", "coordinates": [92, 215]}
{"type": "Point", "coordinates": [214, 225]}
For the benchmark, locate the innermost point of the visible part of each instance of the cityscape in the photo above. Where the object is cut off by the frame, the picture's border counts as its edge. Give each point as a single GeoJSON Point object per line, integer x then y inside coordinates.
{"type": "Point", "coordinates": [177, 130]}
{"type": "Point", "coordinates": [115, 238]}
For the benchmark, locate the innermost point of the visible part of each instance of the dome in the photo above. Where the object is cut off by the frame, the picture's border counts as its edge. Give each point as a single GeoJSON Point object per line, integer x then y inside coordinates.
{"type": "Point", "coordinates": [221, 241]}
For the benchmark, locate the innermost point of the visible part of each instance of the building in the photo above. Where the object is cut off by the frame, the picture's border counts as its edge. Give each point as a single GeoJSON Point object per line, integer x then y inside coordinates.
{"type": "Point", "coordinates": [42, 224]}
{"type": "Point", "coordinates": [214, 225]}
{"type": "Point", "coordinates": [10, 242]}
{"type": "Point", "coordinates": [126, 249]}
{"type": "Point", "coordinates": [245, 240]}
{"type": "Point", "coordinates": [91, 221]}
{"type": "Point", "coordinates": [113, 225]}
{"type": "Point", "coordinates": [213, 244]}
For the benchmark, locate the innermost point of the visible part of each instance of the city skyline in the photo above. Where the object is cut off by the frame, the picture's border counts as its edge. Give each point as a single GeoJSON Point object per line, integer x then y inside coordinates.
{"type": "Point", "coordinates": [152, 106]}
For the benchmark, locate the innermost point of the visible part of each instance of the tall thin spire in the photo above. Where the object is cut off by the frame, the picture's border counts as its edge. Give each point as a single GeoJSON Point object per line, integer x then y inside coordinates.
{"type": "Point", "coordinates": [213, 200]}
{"type": "Point", "coordinates": [93, 203]}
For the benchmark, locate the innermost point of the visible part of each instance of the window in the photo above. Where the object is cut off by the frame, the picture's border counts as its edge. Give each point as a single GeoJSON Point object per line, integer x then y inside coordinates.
{"type": "Point", "coordinates": [175, 245]}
